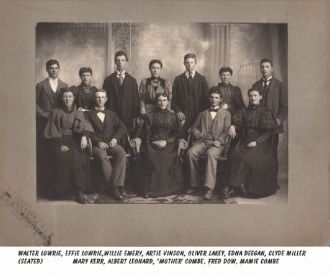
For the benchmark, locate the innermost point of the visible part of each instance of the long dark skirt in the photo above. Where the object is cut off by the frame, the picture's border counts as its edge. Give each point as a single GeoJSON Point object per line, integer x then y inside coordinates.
{"type": "Point", "coordinates": [71, 171]}
{"type": "Point", "coordinates": [161, 171]}
{"type": "Point", "coordinates": [255, 168]}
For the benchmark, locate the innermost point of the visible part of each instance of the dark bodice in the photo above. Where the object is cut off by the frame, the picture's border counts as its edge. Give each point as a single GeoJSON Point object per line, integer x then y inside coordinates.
{"type": "Point", "coordinates": [254, 123]}
{"type": "Point", "coordinates": [162, 125]}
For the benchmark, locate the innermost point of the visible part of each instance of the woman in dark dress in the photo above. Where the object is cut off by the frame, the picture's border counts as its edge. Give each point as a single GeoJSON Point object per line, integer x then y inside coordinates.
{"type": "Point", "coordinates": [150, 87]}
{"type": "Point", "coordinates": [66, 132]}
{"type": "Point", "coordinates": [84, 93]}
{"type": "Point", "coordinates": [161, 171]}
{"type": "Point", "coordinates": [252, 162]}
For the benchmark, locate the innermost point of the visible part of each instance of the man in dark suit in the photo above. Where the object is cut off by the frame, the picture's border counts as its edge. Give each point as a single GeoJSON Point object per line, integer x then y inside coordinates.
{"type": "Point", "coordinates": [274, 97]}
{"type": "Point", "coordinates": [108, 130]}
{"type": "Point", "coordinates": [190, 93]}
{"type": "Point", "coordinates": [47, 92]}
{"type": "Point", "coordinates": [209, 131]}
{"type": "Point", "coordinates": [122, 91]}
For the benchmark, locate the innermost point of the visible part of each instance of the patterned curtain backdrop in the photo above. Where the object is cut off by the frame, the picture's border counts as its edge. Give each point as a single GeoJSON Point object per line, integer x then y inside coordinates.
{"type": "Point", "coordinates": [220, 49]}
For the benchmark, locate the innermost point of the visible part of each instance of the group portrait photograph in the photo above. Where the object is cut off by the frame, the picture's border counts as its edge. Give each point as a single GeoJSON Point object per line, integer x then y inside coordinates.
{"type": "Point", "coordinates": [161, 113]}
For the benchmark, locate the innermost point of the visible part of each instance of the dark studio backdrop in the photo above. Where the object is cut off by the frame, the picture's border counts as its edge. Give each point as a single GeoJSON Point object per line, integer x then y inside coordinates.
{"type": "Point", "coordinates": [240, 46]}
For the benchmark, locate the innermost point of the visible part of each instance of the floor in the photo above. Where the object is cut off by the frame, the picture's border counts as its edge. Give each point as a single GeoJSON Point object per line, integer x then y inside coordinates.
{"type": "Point", "coordinates": [281, 197]}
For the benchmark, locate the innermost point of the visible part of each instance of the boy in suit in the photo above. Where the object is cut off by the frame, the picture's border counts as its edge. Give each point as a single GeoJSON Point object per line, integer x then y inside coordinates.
{"type": "Point", "coordinates": [47, 94]}
{"type": "Point", "coordinates": [122, 90]}
{"type": "Point", "coordinates": [189, 93]}
{"type": "Point", "coordinates": [274, 97]}
{"type": "Point", "coordinates": [209, 131]}
{"type": "Point", "coordinates": [108, 130]}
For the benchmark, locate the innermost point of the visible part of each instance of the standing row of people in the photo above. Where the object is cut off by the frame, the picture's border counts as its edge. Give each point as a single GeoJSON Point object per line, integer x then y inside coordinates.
{"type": "Point", "coordinates": [162, 118]}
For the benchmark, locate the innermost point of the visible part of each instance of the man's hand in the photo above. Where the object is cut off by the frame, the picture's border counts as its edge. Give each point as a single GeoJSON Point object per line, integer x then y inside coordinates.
{"type": "Point", "coordinates": [64, 148]}
{"type": "Point", "coordinates": [196, 133]}
{"type": "Point", "coordinates": [103, 145]}
{"type": "Point", "coordinates": [232, 131]}
{"type": "Point", "coordinates": [143, 111]}
{"type": "Point", "coordinates": [83, 142]}
{"type": "Point", "coordinates": [181, 116]}
{"type": "Point", "coordinates": [252, 144]}
{"type": "Point", "coordinates": [113, 142]}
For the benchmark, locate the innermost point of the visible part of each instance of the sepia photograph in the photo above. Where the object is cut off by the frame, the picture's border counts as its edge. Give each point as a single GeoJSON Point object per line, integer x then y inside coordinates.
{"type": "Point", "coordinates": [164, 123]}
{"type": "Point", "coordinates": [162, 113]}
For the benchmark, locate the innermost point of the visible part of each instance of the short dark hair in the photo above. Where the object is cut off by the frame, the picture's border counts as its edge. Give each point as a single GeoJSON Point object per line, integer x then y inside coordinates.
{"type": "Point", "coordinates": [121, 53]}
{"type": "Point", "coordinates": [215, 89]}
{"type": "Point", "coordinates": [60, 95]}
{"type": "Point", "coordinates": [155, 61]}
{"type": "Point", "coordinates": [265, 60]}
{"type": "Point", "coordinates": [252, 89]}
{"type": "Point", "coordinates": [225, 69]}
{"type": "Point", "coordinates": [189, 56]}
{"type": "Point", "coordinates": [51, 62]}
{"type": "Point", "coordinates": [84, 70]}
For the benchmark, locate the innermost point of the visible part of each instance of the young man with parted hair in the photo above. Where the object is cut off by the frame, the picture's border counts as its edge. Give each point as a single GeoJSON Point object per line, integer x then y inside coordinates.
{"type": "Point", "coordinates": [274, 97]}
{"type": "Point", "coordinates": [122, 92]}
{"type": "Point", "coordinates": [209, 132]}
{"type": "Point", "coordinates": [108, 131]}
{"type": "Point", "coordinates": [47, 98]}
{"type": "Point", "coordinates": [189, 93]}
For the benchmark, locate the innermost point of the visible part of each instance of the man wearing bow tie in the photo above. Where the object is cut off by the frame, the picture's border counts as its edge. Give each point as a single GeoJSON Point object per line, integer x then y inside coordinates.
{"type": "Point", "coordinates": [122, 90]}
{"type": "Point", "coordinates": [108, 130]}
{"type": "Point", "coordinates": [209, 131]}
{"type": "Point", "coordinates": [274, 97]}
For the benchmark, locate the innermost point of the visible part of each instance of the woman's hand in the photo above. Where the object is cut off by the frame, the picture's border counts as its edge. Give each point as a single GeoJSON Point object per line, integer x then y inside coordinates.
{"type": "Point", "coordinates": [181, 116]}
{"type": "Point", "coordinates": [64, 148]}
{"type": "Point", "coordinates": [113, 142]}
{"type": "Point", "coordinates": [232, 131]}
{"type": "Point", "coordinates": [83, 142]}
{"type": "Point", "coordinates": [252, 144]}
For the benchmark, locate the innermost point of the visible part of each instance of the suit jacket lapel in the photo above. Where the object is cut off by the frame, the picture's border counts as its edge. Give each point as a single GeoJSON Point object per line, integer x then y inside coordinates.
{"type": "Point", "coordinates": [97, 121]}
{"type": "Point", "coordinates": [49, 91]}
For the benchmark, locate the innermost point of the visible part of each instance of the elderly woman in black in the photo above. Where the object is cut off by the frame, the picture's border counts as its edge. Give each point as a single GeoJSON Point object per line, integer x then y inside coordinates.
{"type": "Point", "coordinates": [66, 132]}
{"type": "Point", "coordinates": [161, 171]}
{"type": "Point", "coordinates": [252, 162]}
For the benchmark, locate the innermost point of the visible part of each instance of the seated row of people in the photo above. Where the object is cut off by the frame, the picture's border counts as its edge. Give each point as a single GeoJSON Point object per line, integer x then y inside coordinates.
{"type": "Point", "coordinates": [162, 131]}
{"type": "Point", "coordinates": [159, 170]}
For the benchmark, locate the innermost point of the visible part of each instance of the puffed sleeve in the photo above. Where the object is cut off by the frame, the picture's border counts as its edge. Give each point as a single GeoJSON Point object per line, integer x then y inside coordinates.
{"type": "Point", "coordinates": [267, 120]}
{"type": "Point", "coordinates": [168, 91]}
{"type": "Point", "coordinates": [81, 125]}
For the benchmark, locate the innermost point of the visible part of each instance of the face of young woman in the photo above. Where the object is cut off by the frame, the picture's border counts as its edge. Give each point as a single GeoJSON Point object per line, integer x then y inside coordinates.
{"type": "Point", "coordinates": [67, 99]}
{"type": "Point", "coordinates": [155, 70]}
{"type": "Point", "coordinates": [162, 102]}
{"type": "Point", "coordinates": [225, 77]}
{"type": "Point", "coordinates": [254, 97]}
{"type": "Point", "coordinates": [86, 78]}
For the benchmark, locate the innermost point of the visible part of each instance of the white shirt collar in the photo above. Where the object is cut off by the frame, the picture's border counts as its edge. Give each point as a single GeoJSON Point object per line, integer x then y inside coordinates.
{"type": "Point", "coordinates": [192, 73]}
{"type": "Point", "coordinates": [121, 73]}
{"type": "Point", "coordinates": [99, 109]}
{"type": "Point", "coordinates": [54, 81]}
{"type": "Point", "coordinates": [268, 79]}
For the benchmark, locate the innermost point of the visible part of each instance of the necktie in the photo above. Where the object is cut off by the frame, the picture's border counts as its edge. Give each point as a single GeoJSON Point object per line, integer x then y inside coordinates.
{"type": "Point", "coordinates": [100, 111]}
{"type": "Point", "coordinates": [121, 79]}
{"type": "Point", "coordinates": [264, 85]}
{"type": "Point", "coordinates": [213, 109]}
{"type": "Point", "coordinates": [190, 80]}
